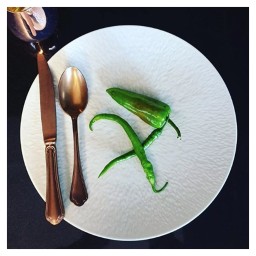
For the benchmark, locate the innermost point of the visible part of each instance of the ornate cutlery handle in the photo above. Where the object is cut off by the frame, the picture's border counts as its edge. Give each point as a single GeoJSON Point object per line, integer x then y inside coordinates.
{"type": "Point", "coordinates": [78, 192]}
{"type": "Point", "coordinates": [54, 211]}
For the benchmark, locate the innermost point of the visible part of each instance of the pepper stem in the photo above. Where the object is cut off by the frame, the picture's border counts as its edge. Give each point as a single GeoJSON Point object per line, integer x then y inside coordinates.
{"type": "Point", "coordinates": [159, 190]}
{"type": "Point", "coordinates": [175, 127]}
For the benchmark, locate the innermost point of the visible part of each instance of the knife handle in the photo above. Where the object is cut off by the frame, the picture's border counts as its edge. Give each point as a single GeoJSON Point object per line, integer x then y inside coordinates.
{"type": "Point", "coordinates": [54, 211]}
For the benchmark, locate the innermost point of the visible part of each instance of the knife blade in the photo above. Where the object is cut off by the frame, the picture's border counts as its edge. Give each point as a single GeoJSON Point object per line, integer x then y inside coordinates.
{"type": "Point", "coordinates": [54, 210]}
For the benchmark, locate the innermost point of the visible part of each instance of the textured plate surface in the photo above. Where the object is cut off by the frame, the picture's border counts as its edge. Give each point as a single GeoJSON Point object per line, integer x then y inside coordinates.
{"type": "Point", "coordinates": [121, 204]}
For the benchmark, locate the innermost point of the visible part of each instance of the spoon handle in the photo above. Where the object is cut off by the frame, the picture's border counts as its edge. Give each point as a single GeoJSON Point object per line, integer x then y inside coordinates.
{"type": "Point", "coordinates": [78, 192]}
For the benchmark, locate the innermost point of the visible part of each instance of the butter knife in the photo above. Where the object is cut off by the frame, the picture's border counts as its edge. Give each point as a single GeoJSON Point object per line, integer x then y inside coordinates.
{"type": "Point", "coordinates": [54, 210]}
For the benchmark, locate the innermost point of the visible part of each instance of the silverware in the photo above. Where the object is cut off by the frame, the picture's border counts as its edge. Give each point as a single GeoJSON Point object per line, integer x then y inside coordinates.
{"type": "Point", "coordinates": [73, 96]}
{"type": "Point", "coordinates": [54, 211]}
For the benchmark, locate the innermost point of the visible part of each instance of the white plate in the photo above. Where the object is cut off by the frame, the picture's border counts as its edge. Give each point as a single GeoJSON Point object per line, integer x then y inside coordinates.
{"type": "Point", "coordinates": [121, 204]}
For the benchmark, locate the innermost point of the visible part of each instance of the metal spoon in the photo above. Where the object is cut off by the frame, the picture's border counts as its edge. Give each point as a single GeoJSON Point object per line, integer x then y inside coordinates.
{"type": "Point", "coordinates": [73, 96]}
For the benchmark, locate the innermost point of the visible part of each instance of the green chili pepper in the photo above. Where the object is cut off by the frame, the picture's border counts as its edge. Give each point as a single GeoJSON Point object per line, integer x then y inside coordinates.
{"type": "Point", "coordinates": [150, 139]}
{"type": "Point", "coordinates": [153, 112]}
{"type": "Point", "coordinates": [138, 147]}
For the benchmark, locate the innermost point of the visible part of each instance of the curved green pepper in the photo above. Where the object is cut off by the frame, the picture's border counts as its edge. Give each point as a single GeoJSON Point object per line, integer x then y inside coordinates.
{"type": "Point", "coordinates": [150, 139]}
{"type": "Point", "coordinates": [153, 112]}
{"type": "Point", "coordinates": [138, 148]}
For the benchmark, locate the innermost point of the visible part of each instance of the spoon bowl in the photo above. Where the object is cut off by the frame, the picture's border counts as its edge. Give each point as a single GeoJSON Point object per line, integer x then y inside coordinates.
{"type": "Point", "coordinates": [73, 97]}
{"type": "Point", "coordinates": [73, 93]}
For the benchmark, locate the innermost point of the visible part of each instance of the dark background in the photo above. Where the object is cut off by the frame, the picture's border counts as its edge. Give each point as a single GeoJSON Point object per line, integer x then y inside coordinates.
{"type": "Point", "coordinates": [222, 35]}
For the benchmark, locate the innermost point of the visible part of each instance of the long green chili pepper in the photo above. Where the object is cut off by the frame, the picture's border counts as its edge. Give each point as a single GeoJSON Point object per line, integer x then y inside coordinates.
{"type": "Point", "coordinates": [148, 141]}
{"type": "Point", "coordinates": [138, 147]}
{"type": "Point", "coordinates": [153, 112]}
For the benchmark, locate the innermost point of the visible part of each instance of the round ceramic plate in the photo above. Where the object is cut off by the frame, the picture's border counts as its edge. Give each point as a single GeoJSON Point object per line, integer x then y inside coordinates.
{"type": "Point", "coordinates": [121, 203]}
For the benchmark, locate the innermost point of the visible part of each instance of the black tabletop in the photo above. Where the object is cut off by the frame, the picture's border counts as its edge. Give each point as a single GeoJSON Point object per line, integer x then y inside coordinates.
{"type": "Point", "coordinates": [222, 35]}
